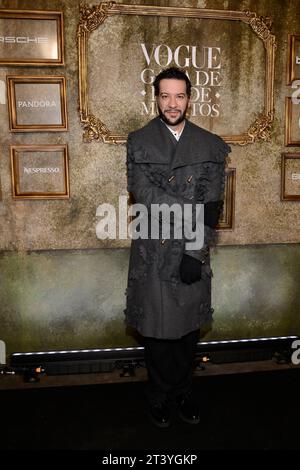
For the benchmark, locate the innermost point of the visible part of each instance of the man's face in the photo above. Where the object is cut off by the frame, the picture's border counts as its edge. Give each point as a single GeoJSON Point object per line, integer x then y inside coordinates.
{"type": "Point", "coordinates": [172, 101]}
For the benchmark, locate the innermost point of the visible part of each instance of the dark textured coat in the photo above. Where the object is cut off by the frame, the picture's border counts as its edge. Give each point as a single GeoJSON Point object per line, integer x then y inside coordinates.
{"type": "Point", "coordinates": [162, 170]}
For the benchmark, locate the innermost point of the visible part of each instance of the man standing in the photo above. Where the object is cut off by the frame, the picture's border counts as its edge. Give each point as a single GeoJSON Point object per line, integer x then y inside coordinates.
{"type": "Point", "coordinates": [172, 161]}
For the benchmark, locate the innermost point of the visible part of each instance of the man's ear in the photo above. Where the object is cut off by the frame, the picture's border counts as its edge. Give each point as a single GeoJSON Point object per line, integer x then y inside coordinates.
{"type": "Point", "coordinates": [188, 111]}
{"type": "Point", "coordinates": [156, 107]}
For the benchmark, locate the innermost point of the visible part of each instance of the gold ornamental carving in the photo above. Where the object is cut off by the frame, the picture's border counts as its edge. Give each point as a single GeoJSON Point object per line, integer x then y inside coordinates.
{"type": "Point", "coordinates": [94, 129]}
{"type": "Point", "coordinates": [260, 130]}
{"type": "Point", "coordinates": [261, 25]}
{"type": "Point", "coordinates": [92, 17]}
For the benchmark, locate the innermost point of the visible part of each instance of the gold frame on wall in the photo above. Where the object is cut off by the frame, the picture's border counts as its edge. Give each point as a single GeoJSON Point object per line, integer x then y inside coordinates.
{"type": "Point", "coordinates": [38, 15]}
{"type": "Point", "coordinates": [227, 219]}
{"type": "Point", "coordinates": [291, 73]}
{"type": "Point", "coordinates": [12, 80]}
{"type": "Point", "coordinates": [91, 17]}
{"type": "Point", "coordinates": [288, 123]}
{"type": "Point", "coordinates": [14, 158]}
{"type": "Point", "coordinates": [284, 195]}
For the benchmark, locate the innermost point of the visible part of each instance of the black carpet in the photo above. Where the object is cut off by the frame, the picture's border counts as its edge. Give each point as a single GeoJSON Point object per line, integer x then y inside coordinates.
{"type": "Point", "coordinates": [244, 411]}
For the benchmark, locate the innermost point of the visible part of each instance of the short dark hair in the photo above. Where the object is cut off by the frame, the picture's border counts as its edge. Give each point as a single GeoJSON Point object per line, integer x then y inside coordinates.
{"type": "Point", "coordinates": [172, 72]}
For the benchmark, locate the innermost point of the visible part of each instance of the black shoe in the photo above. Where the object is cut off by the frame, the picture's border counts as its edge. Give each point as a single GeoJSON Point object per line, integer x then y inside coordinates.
{"type": "Point", "coordinates": [159, 414]}
{"type": "Point", "coordinates": [188, 410]}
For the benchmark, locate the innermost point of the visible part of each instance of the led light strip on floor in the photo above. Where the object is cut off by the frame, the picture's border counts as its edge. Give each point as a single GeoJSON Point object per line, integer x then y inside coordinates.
{"type": "Point", "coordinates": [140, 348]}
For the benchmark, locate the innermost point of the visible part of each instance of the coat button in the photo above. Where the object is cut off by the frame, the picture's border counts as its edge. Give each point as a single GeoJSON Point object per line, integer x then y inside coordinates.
{"type": "Point", "coordinates": [173, 177]}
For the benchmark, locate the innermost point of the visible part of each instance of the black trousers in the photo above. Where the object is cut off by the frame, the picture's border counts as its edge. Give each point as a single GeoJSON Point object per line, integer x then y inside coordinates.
{"type": "Point", "coordinates": [170, 364]}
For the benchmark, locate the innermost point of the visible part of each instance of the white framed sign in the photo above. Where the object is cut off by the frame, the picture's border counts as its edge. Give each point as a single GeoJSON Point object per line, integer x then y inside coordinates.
{"type": "Point", "coordinates": [290, 176]}
{"type": "Point", "coordinates": [40, 171]}
{"type": "Point", "coordinates": [37, 103]}
{"type": "Point", "coordinates": [31, 37]}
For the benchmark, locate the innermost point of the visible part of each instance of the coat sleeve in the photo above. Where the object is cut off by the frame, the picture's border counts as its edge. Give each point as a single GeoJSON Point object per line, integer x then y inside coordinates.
{"type": "Point", "coordinates": [213, 195]}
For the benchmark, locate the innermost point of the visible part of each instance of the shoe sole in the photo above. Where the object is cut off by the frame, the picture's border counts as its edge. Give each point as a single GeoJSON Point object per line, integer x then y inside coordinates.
{"type": "Point", "coordinates": [187, 420]}
{"type": "Point", "coordinates": [159, 425]}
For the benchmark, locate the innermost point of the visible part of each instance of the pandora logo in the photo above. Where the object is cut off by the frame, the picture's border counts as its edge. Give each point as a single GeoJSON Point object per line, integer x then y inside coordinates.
{"type": "Point", "coordinates": [22, 40]}
{"type": "Point", "coordinates": [36, 104]}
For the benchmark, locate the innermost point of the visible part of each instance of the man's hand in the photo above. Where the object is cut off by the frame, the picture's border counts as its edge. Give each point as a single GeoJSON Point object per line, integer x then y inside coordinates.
{"type": "Point", "coordinates": [190, 269]}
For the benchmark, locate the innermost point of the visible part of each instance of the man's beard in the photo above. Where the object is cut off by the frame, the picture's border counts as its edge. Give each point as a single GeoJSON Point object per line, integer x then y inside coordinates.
{"type": "Point", "coordinates": [167, 121]}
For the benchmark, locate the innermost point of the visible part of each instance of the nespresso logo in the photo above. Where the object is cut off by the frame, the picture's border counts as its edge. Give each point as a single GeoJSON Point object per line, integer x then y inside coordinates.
{"type": "Point", "coordinates": [22, 40]}
{"type": "Point", "coordinates": [36, 104]}
{"type": "Point", "coordinates": [29, 171]}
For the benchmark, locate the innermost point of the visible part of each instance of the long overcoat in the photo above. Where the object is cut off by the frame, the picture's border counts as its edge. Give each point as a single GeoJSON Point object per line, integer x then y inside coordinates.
{"type": "Point", "coordinates": [160, 170]}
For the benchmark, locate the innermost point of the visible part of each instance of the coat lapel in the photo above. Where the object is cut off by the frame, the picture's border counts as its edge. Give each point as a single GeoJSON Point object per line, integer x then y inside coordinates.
{"type": "Point", "coordinates": [159, 144]}
{"type": "Point", "coordinates": [186, 151]}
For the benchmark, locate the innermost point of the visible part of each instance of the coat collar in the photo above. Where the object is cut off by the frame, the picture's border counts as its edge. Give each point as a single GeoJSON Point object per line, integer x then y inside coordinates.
{"type": "Point", "coordinates": [162, 148]}
{"type": "Point", "coordinates": [159, 142]}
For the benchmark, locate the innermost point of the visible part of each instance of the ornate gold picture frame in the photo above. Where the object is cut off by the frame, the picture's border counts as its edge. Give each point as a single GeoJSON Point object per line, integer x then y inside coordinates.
{"type": "Point", "coordinates": [92, 17]}
{"type": "Point", "coordinates": [37, 103]}
{"type": "Point", "coordinates": [40, 171]}
{"type": "Point", "coordinates": [292, 123]}
{"type": "Point", "coordinates": [31, 37]}
{"type": "Point", "coordinates": [293, 59]}
{"type": "Point", "coordinates": [290, 176]}
{"type": "Point", "coordinates": [227, 218]}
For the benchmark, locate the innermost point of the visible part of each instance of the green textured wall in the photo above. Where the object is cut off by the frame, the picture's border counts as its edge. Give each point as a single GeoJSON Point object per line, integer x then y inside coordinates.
{"type": "Point", "coordinates": [71, 294]}
{"type": "Point", "coordinates": [97, 170]}
{"type": "Point", "coordinates": [256, 291]}
{"type": "Point", "coordinates": [75, 299]}
{"type": "Point", "coordinates": [63, 299]}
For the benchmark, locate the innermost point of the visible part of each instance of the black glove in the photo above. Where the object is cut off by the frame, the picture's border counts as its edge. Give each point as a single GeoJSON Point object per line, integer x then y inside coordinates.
{"type": "Point", "coordinates": [190, 269]}
{"type": "Point", "coordinates": [212, 212]}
